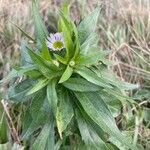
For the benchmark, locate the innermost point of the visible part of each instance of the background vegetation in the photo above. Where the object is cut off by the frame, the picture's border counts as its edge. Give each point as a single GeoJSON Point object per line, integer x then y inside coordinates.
{"type": "Point", "coordinates": [124, 27]}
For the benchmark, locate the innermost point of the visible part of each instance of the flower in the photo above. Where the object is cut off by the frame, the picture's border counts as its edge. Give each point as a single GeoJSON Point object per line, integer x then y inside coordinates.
{"type": "Point", "coordinates": [55, 41]}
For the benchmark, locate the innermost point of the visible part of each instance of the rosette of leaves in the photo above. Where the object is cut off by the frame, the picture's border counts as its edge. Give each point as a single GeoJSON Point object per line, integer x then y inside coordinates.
{"type": "Point", "coordinates": [70, 98]}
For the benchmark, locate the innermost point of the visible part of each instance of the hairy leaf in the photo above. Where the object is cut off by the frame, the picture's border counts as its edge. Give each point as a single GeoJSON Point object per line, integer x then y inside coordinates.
{"type": "Point", "coordinates": [110, 77]}
{"type": "Point", "coordinates": [42, 139]}
{"type": "Point", "coordinates": [35, 116]}
{"type": "Point", "coordinates": [100, 114]}
{"type": "Point", "coordinates": [16, 72]}
{"type": "Point", "coordinates": [40, 28]}
{"type": "Point", "coordinates": [25, 58]}
{"type": "Point", "coordinates": [66, 75]}
{"type": "Point", "coordinates": [48, 69]}
{"type": "Point", "coordinates": [92, 77]}
{"type": "Point", "coordinates": [64, 112]}
{"type": "Point", "coordinates": [18, 92]}
{"type": "Point", "coordinates": [65, 26]}
{"type": "Point", "coordinates": [88, 25]}
{"type": "Point", "coordinates": [52, 95]}
{"type": "Point", "coordinates": [93, 58]}
{"type": "Point", "coordinates": [89, 136]}
{"type": "Point", "coordinates": [81, 85]}
{"type": "Point", "coordinates": [45, 52]}
{"type": "Point", "coordinates": [39, 85]}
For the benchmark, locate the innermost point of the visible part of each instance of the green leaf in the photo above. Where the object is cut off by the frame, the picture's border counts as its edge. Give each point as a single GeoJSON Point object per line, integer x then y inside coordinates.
{"type": "Point", "coordinates": [93, 58]}
{"type": "Point", "coordinates": [128, 134]}
{"type": "Point", "coordinates": [146, 112]}
{"type": "Point", "coordinates": [42, 139]}
{"type": "Point", "coordinates": [76, 41]}
{"type": "Point", "coordinates": [45, 52]}
{"type": "Point", "coordinates": [48, 69]}
{"type": "Point", "coordinates": [29, 70]}
{"type": "Point", "coordinates": [51, 138]}
{"type": "Point", "coordinates": [88, 45]}
{"type": "Point", "coordinates": [96, 108]}
{"type": "Point", "coordinates": [37, 103]}
{"type": "Point", "coordinates": [60, 59]}
{"type": "Point", "coordinates": [16, 72]}
{"type": "Point", "coordinates": [80, 85]}
{"type": "Point", "coordinates": [88, 25]}
{"type": "Point", "coordinates": [66, 75]}
{"type": "Point", "coordinates": [40, 28]}
{"type": "Point", "coordinates": [89, 136]}
{"type": "Point", "coordinates": [25, 58]}
{"type": "Point", "coordinates": [119, 95]}
{"type": "Point", "coordinates": [142, 94]}
{"type": "Point", "coordinates": [66, 29]}
{"type": "Point", "coordinates": [92, 77]}
{"type": "Point", "coordinates": [36, 115]}
{"type": "Point", "coordinates": [33, 73]}
{"type": "Point", "coordinates": [113, 103]}
{"type": "Point", "coordinates": [64, 112]}
{"type": "Point", "coordinates": [52, 95]}
{"type": "Point", "coordinates": [65, 7]}
{"type": "Point", "coordinates": [3, 126]}
{"type": "Point", "coordinates": [111, 78]}
{"type": "Point", "coordinates": [39, 85]}
{"type": "Point", "coordinates": [12, 74]}
{"type": "Point", "coordinates": [18, 92]}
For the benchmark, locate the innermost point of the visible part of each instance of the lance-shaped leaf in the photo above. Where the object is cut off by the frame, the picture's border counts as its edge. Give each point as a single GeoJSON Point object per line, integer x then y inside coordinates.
{"type": "Point", "coordinates": [46, 134]}
{"type": "Point", "coordinates": [52, 95]}
{"type": "Point", "coordinates": [45, 52]}
{"type": "Point", "coordinates": [89, 136]}
{"type": "Point", "coordinates": [70, 34]}
{"type": "Point", "coordinates": [3, 126]}
{"type": "Point", "coordinates": [29, 70]}
{"type": "Point", "coordinates": [18, 71]}
{"type": "Point", "coordinates": [35, 116]}
{"type": "Point", "coordinates": [66, 28]}
{"type": "Point", "coordinates": [93, 58]}
{"type": "Point", "coordinates": [66, 75]}
{"type": "Point", "coordinates": [98, 111]}
{"type": "Point", "coordinates": [89, 44]}
{"type": "Point", "coordinates": [25, 57]}
{"type": "Point", "coordinates": [64, 112]}
{"type": "Point", "coordinates": [92, 77]}
{"type": "Point", "coordinates": [18, 92]}
{"type": "Point", "coordinates": [77, 43]}
{"type": "Point", "coordinates": [88, 25]}
{"type": "Point", "coordinates": [38, 86]}
{"type": "Point", "coordinates": [80, 85]}
{"type": "Point", "coordinates": [111, 78]}
{"type": "Point", "coordinates": [40, 28]}
{"type": "Point", "coordinates": [12, 74]}
{"type": "Point", "coordinates": [60, 59]}
{"type": "Point", "coordinates": [48, 69]}
{"type": "Point", "coordinates": [51, 138]}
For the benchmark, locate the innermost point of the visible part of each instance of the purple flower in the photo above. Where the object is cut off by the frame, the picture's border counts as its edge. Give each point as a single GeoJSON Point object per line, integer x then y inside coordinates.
{"type": "Point", "coordinates": [55, 41]}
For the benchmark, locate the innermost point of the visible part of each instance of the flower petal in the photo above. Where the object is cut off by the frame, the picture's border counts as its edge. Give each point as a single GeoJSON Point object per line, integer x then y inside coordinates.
{"type": "Point", "coordinates": [54, 38]}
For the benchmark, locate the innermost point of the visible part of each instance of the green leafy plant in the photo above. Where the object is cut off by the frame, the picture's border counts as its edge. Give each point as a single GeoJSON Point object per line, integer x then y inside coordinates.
{"type": "Point", "coordinates": [69, 96]}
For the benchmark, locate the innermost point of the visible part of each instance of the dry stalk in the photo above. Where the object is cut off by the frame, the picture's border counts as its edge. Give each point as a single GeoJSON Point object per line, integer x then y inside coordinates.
{"type": "Point", "coordinates": [13, 130]}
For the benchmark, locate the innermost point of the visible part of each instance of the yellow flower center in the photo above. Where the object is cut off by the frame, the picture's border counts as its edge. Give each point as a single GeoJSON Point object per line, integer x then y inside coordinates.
{"type": "Point", "coordinates": [58, 44]}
